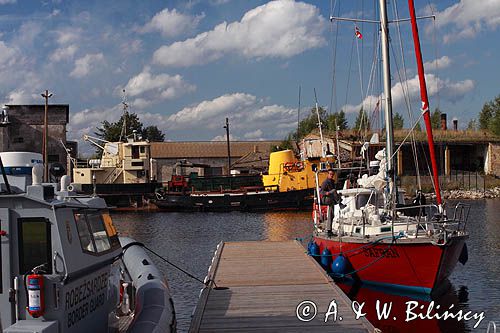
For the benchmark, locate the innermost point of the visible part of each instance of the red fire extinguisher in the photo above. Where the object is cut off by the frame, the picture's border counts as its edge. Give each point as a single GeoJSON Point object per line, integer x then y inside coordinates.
{"type": "Point", "coordinates": [36, 301]}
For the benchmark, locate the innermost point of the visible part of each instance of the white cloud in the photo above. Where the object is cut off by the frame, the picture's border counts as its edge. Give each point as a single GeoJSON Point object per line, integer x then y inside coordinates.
{"type": "Point", "coordinates": [19, 96]}
{"type": "Point", "coordinates": [4, 2]}
{"type": "Point", "coordinates": [171, 23]}
{"type": "Point", "coordinates": [468, 18]}
{"type": "Point", "coordinates": [68, 35]}
{"type": "Point", "coordinates": [257, 134]}
{"type": "Point", "coordinates": [153, 88]}
{"type": "Point", "coordinates": [281, 28]}
{"type": "Point", "coordinates": [219, 2]}
{"type": "Point", "coordinates": [64, 53]}
{"type": "Point", "coordinates": [220, 106]}
{"type": "Point", "coordinates": [84, 65]}
{"type": "Point", "coordinates": [249, 117]}
{"type": "Point", "coordinates": [436, 64]}
{"type": "Point", "coordinates": [448, 90]}
{"type": "Point", "coordinates": [224, 138]}
{"type": "Point", "coordinates": [8, 55]}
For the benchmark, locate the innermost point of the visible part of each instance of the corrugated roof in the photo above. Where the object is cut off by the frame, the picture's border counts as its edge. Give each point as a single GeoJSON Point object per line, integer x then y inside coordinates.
{"type": "Point", "coordinates": [204, 149]}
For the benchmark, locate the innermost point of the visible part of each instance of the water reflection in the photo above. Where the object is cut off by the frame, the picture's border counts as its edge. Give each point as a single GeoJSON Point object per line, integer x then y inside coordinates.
{"type": "Point", "coordinates": [404, 311]}
{"type": "Point", "coordinates": [189, 240]}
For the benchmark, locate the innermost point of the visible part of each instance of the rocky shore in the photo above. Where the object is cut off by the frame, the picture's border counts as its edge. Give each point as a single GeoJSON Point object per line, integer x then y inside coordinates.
{"type": "Point", "coordinates": [472, 194]}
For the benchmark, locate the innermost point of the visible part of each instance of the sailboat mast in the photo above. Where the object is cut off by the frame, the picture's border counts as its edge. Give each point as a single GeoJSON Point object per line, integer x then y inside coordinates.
{"type": "Point", "coordinates": [425, 100]}
{"type": "Point", "coordinates": [384, 26]}
{"type": "Point", "coordinates": [319, 125]}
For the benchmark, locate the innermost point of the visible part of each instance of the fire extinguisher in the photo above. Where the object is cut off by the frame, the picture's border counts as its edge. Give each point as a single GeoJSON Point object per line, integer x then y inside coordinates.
{"type": "Point", "coordinates": [36, 301]}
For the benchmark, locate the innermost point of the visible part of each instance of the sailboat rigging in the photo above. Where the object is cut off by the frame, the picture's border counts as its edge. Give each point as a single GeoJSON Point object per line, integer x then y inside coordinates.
{"type": "Point", "coordinates": [378, 239]}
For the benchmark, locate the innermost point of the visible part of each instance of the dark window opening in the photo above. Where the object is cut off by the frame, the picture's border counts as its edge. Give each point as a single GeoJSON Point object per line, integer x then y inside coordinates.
{"type": "Point", "coordinates": [53, 158]}
{"type": "Point", "coordinates": [135, 152]}
{"type": "Point", "coordinates": [143, 149]}
{"type": "Point", "coordinates": [35, 246]}
{"type": "Point", "coordinates": [141, 163]}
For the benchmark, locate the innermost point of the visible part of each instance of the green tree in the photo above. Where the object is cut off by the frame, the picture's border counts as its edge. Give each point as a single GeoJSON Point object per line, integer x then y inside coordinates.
{"type": "Point", "coordinates": [362, 122]}
{"type": "Point", "coordinates": [397, 121]}
{"type": "Point", "coordinates": [338, 118]}
{"type": "Point", "coordinates": [112, 131]}
{"type": "Point", "coordinates": [472, 125]}
{"type": "Point", "coordinates": [418, 128]}
{"type": "Point", "coordinates": [153, 134]}
{"type": "Point", "coordinates": [489, 117]}
{"type": "Point", "coordinates": [436, 118]}
{"type": "Point", "coordinates": [310, 123]}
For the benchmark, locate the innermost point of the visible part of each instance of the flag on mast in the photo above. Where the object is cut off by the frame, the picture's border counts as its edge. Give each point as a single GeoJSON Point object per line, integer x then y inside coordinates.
{"type": "Point", "coordinates": [357, 33]}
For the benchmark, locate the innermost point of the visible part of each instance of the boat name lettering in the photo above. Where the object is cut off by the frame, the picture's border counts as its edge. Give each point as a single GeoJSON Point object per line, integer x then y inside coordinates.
{"type": "Point", "coordinates": [86, 289]}
{"type": "Point", "coordinates": [381, 252]}
{"type": "Point", "coordinates": [84, 309]}
{"type": "Point", "coordinates": [86, 298]}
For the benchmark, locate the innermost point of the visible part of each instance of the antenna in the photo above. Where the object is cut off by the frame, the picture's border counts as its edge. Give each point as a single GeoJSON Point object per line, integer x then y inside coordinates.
{"type": "Point", "coordinates": [319, 125]}
{"type": "Point", "coordinates": [123, 133]}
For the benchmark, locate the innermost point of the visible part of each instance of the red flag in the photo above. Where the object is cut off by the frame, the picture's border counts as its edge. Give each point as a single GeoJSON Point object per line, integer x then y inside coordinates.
{"type": "Point", "coordinates": [358, 33]}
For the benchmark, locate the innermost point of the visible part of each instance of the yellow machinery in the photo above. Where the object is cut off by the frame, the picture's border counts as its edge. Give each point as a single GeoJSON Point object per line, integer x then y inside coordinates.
{"type": "Point", "coordinates": [287, 173]}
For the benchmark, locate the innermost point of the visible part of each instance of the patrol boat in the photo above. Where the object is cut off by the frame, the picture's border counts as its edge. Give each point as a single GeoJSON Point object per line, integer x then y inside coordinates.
{"type": "Point", "coordinates": [64, 268]}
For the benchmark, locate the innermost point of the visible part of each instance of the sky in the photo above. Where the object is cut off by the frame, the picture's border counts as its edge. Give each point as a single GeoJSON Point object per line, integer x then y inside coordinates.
{"type": "Point", "coordinates": [187, 65]}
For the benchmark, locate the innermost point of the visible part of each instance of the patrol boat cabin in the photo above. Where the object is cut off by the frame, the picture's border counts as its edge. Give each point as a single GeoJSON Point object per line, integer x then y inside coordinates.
{"type": "Point", "coordinates": [62, 262]}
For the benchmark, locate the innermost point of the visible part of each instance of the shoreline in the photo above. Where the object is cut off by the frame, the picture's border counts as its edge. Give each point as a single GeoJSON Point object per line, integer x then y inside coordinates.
{"type": "Point", "coordinates": [491, 193]}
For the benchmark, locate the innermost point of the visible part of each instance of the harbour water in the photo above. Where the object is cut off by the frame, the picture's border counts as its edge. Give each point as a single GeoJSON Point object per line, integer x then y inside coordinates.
{"type": "Point", "coordinates": [190, 239]}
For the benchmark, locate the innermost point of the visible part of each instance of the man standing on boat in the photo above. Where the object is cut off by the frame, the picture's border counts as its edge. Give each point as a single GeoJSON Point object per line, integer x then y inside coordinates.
{"type": "Point", "coordinates": [329, 197]}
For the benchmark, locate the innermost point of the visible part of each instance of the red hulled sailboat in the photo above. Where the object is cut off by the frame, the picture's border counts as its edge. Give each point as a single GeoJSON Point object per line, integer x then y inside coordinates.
{"type": "Point", "coordinates": [375, 237]}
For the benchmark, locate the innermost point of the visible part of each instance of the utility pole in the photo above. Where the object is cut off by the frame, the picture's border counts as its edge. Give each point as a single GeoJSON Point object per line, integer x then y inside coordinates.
{"type": "Point", "coordinates": [45, 151]}
{"type": "Point", "coordinates": [228, 147]}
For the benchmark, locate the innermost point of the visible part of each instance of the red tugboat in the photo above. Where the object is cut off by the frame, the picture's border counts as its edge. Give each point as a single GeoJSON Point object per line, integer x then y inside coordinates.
{"type": "Point", "coordinates": [375, 237]}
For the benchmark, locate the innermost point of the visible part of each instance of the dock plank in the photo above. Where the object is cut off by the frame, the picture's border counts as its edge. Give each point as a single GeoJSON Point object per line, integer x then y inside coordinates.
{"type": "Point", "coordinates": [255, 286]}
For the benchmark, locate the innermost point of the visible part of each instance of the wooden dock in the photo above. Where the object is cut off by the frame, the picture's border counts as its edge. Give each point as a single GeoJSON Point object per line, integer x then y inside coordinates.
{"type": "Point", "coordinates": [258, 287]}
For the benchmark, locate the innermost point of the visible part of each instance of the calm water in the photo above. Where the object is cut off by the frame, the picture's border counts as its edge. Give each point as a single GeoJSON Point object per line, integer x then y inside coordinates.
{"type": "Point", "coordinates": [190, 239]}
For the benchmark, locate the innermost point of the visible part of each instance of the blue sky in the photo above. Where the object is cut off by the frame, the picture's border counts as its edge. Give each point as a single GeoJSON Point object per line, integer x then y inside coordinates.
{"type": "Point", "coordinates": [186, 65]}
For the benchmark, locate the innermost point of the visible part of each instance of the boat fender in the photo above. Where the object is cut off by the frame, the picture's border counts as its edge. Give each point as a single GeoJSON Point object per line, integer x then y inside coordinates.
{"type": "Point", "coordinates": [309, 247]}
{"type": "Point", "coordinates": [464, 255]}
{"type": "Point", "coordinates": [339, 266]}
{"type": "Point", "coordinates": [314, 250]}
{"type": "Point", "coordinates": [326, 259]}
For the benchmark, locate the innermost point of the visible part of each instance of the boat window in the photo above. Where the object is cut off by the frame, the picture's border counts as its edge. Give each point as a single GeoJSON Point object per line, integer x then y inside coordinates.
{"type": "Point", "coordinates": [84, 233]}
{"type": "Point", "coordinates": [362, 200]}
{"type": "Point", "coordinates": [135, 152]}
{"type": "Point", "coordinates": [96, 231]}
{"type": "Point", "coordinates": [99, 233]}
{"type": "Point", "coordinates": [35, 246]}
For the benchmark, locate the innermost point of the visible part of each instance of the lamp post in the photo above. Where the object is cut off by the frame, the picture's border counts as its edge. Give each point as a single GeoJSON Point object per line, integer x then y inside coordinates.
{"type": "Point", "coordinates": [45, 151]}
{"type": "Point", "coordinates": [228, 147]}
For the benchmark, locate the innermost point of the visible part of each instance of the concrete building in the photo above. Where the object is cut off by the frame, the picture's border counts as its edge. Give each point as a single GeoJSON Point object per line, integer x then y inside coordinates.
{"type": "Point", "coordinates": [22, 130]}
{"type": "Point", "coordinates": [209, 158]}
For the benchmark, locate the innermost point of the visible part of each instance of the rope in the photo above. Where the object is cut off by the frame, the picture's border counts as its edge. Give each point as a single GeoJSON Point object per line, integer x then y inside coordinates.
{"type": "Point", "coordinates": [174, 265]}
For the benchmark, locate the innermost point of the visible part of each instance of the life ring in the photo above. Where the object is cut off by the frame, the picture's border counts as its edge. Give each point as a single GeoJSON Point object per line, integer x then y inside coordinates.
{"type": "Point", "coordinates": [299, 166]}
{"type": "Point", "coordinates": [288, 166]}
